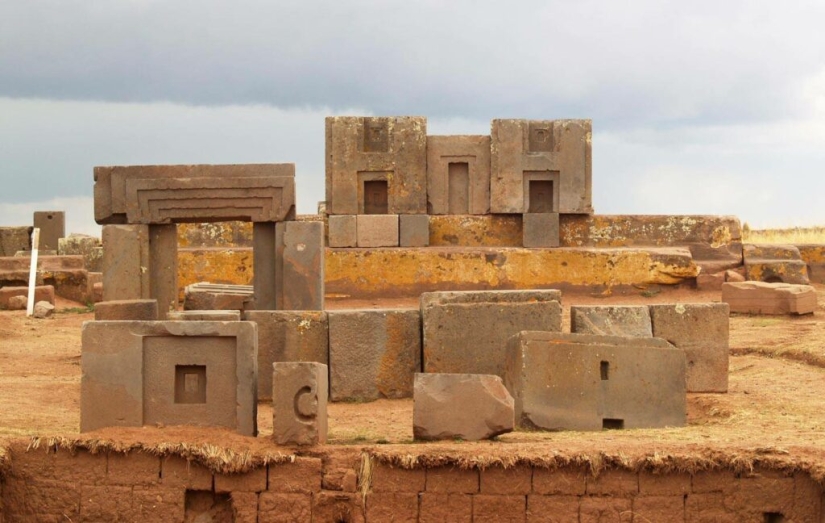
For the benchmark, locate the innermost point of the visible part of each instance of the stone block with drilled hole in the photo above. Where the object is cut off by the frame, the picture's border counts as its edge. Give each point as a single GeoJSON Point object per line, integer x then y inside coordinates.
{"type": "Point", "coordinates": [299, 403]}
{"type": "Point", "coordinates": [611, 320]}
{"type": "Point", "coordinates": [52, 225]}
{"type": "Point", "coordinates": [755, 297]}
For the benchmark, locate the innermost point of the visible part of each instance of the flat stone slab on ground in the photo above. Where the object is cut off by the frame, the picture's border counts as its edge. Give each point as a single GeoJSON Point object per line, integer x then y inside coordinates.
{"type": "Point", "coordinates": [754, 297]}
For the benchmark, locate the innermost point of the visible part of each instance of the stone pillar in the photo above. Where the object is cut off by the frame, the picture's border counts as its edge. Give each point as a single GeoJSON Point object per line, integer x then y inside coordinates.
{"type": "Point", "coordinates": [263, 261]}
{"type": "Point", "coordinates": [163, 267]}
{"type": "Point", "coordinates": [52, 225]}
{"type": "Point", "coordinates": [299, 266]}
{"type": "Point", "coordinates": [126, 273]}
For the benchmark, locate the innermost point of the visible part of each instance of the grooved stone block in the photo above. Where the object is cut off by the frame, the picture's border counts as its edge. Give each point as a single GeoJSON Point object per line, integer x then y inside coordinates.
{"type": "Point", "coordinates": [551, 157]}
{"type": "Point", "coordinates": [458, 174]}
{"type": "Point", "coordinates": [377, 230]}
{"type": "Point", "coordinates": [540, 230]}
{"type": "Point", "coordinates": [414, 230]}
{"type": "Point", "coordinates": [299, 266]}
{"type": "Point", "coordinates": [299, 403]}
{"type": "Point", "coordinates": [611, 320]}
{"type": "Point", "coordinates": [137, 373]}
{"type": "Point", "coordinates": [386, 150]}
{"type": "Point", "coordinates": [14, 239]}
{"type": "Point", "coordinates": [125, 262]}
{"type": "Point", "coordinates": [125, 310]}
{"type": "Point", "coordinates": [467, 332]}
{"type": "Point", "coordinates": [467, 406]}
{"type": "Point", "coordinates": [288, 336]}
{"type": "Point", "coordinates": [702, 331]}
{"type": "Point", "coordinates": [587, 382]}
{"type": "Point", "coordinates": [373, 353]}
{"type": "Point", "coordinates": [754, 297]}
{"type": "Point", "coordinates": [41, 293]}
{"type": "Point", "coordinates": [52, 225]}
{"type": "Point", "coordinates": [342, 230]}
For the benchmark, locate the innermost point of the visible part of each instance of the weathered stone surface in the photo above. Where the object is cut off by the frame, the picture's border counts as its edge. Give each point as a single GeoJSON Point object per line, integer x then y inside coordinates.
{"type": "Point", "coordinates": [467, 334]}
{"type": "Point", "coordinates": [541, 230]}
{"type": "Point", "coordinates": [775, 263]}
{"type": "Point", "coordinates": [126, 262]}
{"type": "Point", "coordinates": [458, 174]}
{"type": "Point", "coordinates": [299, 403]}
{"type": "Point", "coordinates": [52, 225]}
{"type": "Point", "coordinates": [17, 303]}
{"type": "Point", "coordinates": [138, 373]}
{"type": "Point", "coordinates": [464, 230]}
{"type": "Point", "coordinates": [206, 316]}
{"type": "Point", "coordinates": [710, 282]}
{"type": "Point", "coordinates": [158, 194]}
{"type": "Point", "coordinates": [288, 336]}
{"type": "Point", "coordinates": [611, 320]}
{"type": "Point", "coordinates": [65, 273]}
{"type": "Point", "coordinates": [754, 297]}
{"type": "Point", "coordinates": [587, 382]}
{"type": "Point", "coordinates": [89, 247]}
{"type": "Point", "coordinates": [734, 276]}
{"type": "Point", "coordinates": [299, 266]}
{"type": "Point", "coordinates": [528, 151]}
{"type": "Point", "coordinates": [41, 293]}
{"type": "Point", "coordinates": [814, 257]}
{"type": "Point", "coordinates": [392, 150]}
{"type": "Point", "coordinates": [265, 249]}
{"type": "Point", "coordinates": [373, 353]}
{"type": "Point", "coordinates": [217, 297]}
{"type": "Point", "coordinates": [702, 331]}
{"type": "Point", "coordinates": [43, 309]}
{"type": "Point", "coordinates": [414, 230]}
{"type": "Point", "coordinates": [342, 230]}
{"type": "Point", "coordinates": [163, 267]}
{"type": "Point", "coordinates": [125, 310]}
{"type": "Point", "coordinates": [466, 406]}
{"type": "Point", "coordinates": [215, 234]}
{"type": "Point", "coordinates": [377, 230]}
{"type": "Point", "coordinates": [13, 239]}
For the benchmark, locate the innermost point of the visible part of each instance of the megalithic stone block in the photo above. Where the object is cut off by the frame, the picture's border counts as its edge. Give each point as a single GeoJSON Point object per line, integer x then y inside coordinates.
{"type": "Point", "coordinates": [414, 230]}
{"type": "Point", "coordinates": [611, 320]}
{"type": "Point", "coordinates": [299, 403]}
{"type": "Point", "coordinates": [756, 297]}
{"type": "Point", "coordinates": [127, 310]}
{"type": "Point", "coordinates": [458, 174]}
{"type": "Point", "coordinates": [299, 266]}
{"type": "Point", "coordinates": [377, 230]}
{"type": "Point", "coordinates": [466, 406]}
{"type": "Point", "coordinates": [342, 230]}
{"type": "Point", "coordinates": [126, 262]}
{"type": "Point", "coordinates": [52, 225]}
{"type": "Point", "coordinates": [14, 239]}
{"type": "Point", "coordinates": [540, 230]}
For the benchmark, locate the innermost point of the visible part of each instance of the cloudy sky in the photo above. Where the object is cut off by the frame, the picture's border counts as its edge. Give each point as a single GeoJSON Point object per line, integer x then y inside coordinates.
{"type": "Point", "coordinates": [701, 107]}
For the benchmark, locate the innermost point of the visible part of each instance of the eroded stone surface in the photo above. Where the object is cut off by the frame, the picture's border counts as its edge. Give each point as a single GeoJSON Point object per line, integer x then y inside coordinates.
{"type": "Point", "coordinates": [612, 320]}
{"type": "Point", "coordinates": [43, 309]}
{"type": "Point", "coordinates": [124, 310]}
{"type": "Point", "coordinates": [754, 297]}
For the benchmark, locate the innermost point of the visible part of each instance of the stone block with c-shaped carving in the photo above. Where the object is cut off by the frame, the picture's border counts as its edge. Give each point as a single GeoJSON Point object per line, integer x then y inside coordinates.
{"type": "Point", "coordinates": [299, 403]}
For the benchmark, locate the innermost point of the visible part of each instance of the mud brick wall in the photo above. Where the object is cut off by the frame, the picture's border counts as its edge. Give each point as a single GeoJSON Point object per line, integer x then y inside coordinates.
{"type": "Point", "coordinates": [55, 485]}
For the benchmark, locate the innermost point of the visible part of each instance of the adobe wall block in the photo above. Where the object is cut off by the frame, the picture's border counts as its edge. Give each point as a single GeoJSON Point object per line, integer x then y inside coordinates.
{"type": "Point", "coordinates": [552, 509]}
{"type": "Point", "coordinates": [659, 508]}
{"type": "Point", "coordinates": [713, 481]}
{"type": "Point", "coordinates": [567, 481]}
{"type": "Point", "coordinates": [494, 509]}
{"type": "Point", "coordinates": [701, 330]}
{"type": "Point", "coordinates": [613, 482]}
{"type": "Point", "coordinates": [37, 466]}
{"type": "Point", "coordinates": [299, 266]}
{"type": "Point", "coordinates": [807, 502]}
{"type": "Point", "coordinates": [438, 507]}
{"type": "Point", "coordinates": [452, 480]}
{"type": "Point", "coordinates": [651, 484]}
{"type": "Point", "coordinates": [244, 507]}
{"type": "Point", "coordinates": [458, 174]}
{"type": "Point", "coordinates": [764, 491]}
{"type": "Point", "coordinates": [136, 468]}
{"type": "Point", "coordinates": [177, 472]}
{"type": "Point", "coordinates": [386, 478]}
{"type": "Point", "coordinates": [414, 230]}
{"type": "Point", "coordinates": [275, 507]}
{"type": "Point", "coordinates": [125, 310]}
{"type": "Point", "coordinates": [339, 470]}
{"type": "Point", "coordinates": [513, 481]}
{"type": "Point", "coordinates": [709, 507]}
{"type": "Point", "coordinates": [157, 504]}
{"type": "Point", "coordinates": [545, 150]}
{"type": "Point", "coordinates": [377, 230]}
{"type": "Point", "coordinates": [251, 481]}
{"type": "Point", "coordinates": [104, 503]}
{"type": "Point", "coordinates": [53, 502]}
{"type": "Point", "coordinates": [540, 230]}
{"type": "Point", "coordinates": [302, 476]}
{"type": "Point", "coordinates": [392, 506]}
{"type": "Point", "coordinates": [391, 149]}
{"type": "Point", "coordinates": [611, 320]}
{"type": "Point", "coordinates": [126, 262]}
{"type": "Point", "coordinates": [373, 353]}
{"type": "Point", "coordinates": [337, 506]}
{"type": "Point", "coordinates": [342, 230]}
{"type": "Point", "coordinates": [52, 225]}
{"type": "Point", "coordinates": [299, 403]}
{"type": "Point", "coordinates": [204, 316]}
{"type": "Point", "coordinates": [599, 509]}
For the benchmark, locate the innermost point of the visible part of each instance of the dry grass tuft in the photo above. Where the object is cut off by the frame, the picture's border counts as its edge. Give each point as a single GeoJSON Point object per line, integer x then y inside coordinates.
{"type": "Point", "coordinates": [793, 236]}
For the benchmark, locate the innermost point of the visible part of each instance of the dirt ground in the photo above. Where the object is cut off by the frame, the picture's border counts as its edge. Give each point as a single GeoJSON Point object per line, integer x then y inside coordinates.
{"type": "Point", "coordinates": [774, 405]}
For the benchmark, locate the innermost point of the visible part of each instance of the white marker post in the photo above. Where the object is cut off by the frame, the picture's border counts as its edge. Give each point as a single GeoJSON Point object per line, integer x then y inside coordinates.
{"type": "Point", "coordinates": [33, 272]}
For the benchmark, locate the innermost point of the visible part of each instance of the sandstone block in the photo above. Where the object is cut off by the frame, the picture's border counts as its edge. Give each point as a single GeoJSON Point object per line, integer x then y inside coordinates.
{"type": "Point", "coordinates": [205, 316]}
{"type": "Point", "coordinates": [43, 309]}
{"type": "Point", "coordinates": [376, 165]}
{"type": "Point", "coordinates": [755, 297]}
{"type": "Point", "coordinates": [299, 266]}
{"type": "Point", "coordinates": [342, 230]}
{"type": "Point", "coordinates": [812, 254]}
{"type": "Point", "coordinates": [377, 230]}
{"type": "Point", "coordinates": [373, 353]}
{"type": "Point", "coordinates": [775, 263]}
{"type": "Point", "coordinates": [710, 282]}
{"type": "Point", "coordinates": [217, 297]}
{"type": "Point", "coordinates": [734, 276]}
{"type": "Point", "coordinates": [702, 331]}
{"type": "Point", "coordinates": [52, 225]}
{"type": "Point", "coordinates": [89, 247]}
{"type": "Point", "coordinates": [414, 230]}
{"type": "Point", "coordinates": [540, 230]}
{"type": "Point", "coordinates": [588, 382]}
{"type": "Point", "coordinates": [612, 320]}
{"type": "Point", "coordinates": [467, 406]}
{"type": "Point", "coordinates": [299, 403]}
{"type": "Point", "coordinates": [125, 262]}
{"type": "Point", "coordinates": [125, 310]}
{"type": "Point", "coordinates": [467, 333]}
{"type": "Point", "coordinates": [541, 166]}
{"type": "Point", "coordinates": [137, 373]}
{"type": "Point", "coordinates": [458, 174]}
{"type": "Point", "coordinates": [18, 303]}
{"type": "Point", "coordinates": [13, 239]}
{"type": "Point", "coordinates": [288, 336]}
{"type": "Point", "coordinates": [41, 293]}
